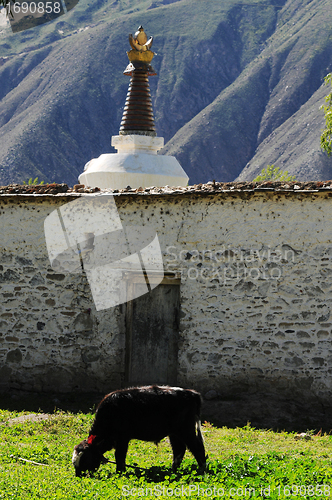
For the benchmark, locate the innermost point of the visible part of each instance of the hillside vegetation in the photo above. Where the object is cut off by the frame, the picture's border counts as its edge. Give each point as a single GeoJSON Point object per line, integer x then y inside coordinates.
{"type": "Point", "coordinates": [239, 86]}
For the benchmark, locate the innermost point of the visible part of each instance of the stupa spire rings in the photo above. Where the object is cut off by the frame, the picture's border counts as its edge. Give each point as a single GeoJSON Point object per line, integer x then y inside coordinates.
{"type": "Point", "coordinates": [137, 118]}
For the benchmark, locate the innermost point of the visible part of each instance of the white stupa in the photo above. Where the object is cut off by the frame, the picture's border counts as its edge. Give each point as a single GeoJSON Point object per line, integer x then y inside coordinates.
{"type": "Point", "coordinates": [136, 163]}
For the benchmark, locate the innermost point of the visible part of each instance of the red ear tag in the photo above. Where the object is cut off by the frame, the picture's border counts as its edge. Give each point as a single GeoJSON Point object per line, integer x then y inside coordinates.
{"type": "Point", "coordinates": [91, 439]}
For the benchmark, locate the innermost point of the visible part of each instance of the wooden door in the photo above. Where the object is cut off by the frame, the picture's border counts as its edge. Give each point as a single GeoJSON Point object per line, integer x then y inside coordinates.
{"type": "Point", "coordinates": [152, 332]}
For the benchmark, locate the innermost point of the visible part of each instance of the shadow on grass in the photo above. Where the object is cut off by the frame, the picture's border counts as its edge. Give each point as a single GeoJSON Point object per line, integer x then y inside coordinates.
{"type": "Point", "coordinates": [156, 474]}
{"type": "Point", "coordinates": [50, 402]}
{"type": "Point", "coordinates": [237, 468]}
{"type": "Point", "coordinates": [263, 412]}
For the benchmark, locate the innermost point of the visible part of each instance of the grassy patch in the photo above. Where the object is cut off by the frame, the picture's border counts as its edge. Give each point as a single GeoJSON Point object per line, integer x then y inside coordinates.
{"type": "Point", "coordinates": [243, 463]}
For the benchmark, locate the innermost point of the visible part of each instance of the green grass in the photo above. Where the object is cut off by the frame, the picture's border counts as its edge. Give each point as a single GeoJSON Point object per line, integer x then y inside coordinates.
{"type": "Point", "coordinates": [243, 463]}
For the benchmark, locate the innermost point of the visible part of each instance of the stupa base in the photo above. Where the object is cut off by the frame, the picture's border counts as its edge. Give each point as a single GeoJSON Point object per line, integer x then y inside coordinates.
{"type": "Point", "coordinates": [136, 165]}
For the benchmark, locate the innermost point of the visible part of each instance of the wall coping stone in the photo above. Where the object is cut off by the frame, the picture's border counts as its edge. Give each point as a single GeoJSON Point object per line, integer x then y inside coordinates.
{"type": "Point", "coordinates": [211, 187]}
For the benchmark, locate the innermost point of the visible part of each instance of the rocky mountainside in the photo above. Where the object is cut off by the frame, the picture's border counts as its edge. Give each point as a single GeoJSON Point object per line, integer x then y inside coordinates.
{"type": "Point", "coordinates": [239, 86]}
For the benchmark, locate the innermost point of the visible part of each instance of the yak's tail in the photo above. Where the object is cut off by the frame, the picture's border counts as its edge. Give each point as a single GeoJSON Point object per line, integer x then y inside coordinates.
{"type": "Point", "coordinates": [198, 416]}
{"type": "Point", "coordinates": [198, 429]}
{"type": "Point", "coordinates": [202, 457]}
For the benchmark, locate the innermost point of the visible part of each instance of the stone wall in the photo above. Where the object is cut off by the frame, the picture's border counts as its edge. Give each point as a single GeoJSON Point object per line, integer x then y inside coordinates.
{"type": "Point", "coordinates": [255, 295]}
{"type": "Point", "coordinates": [51, 337]}
{"type": "Point", "coordinates": [255, 287]}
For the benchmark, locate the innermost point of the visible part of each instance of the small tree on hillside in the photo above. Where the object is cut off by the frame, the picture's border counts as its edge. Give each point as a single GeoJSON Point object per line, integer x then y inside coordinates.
{"type": "Point", "coordinates": [326, 137]}
{"type": "Point", "coordinates": [272, 173]}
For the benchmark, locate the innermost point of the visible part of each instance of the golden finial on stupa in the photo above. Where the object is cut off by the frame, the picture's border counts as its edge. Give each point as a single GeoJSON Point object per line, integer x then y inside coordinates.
{"type": "Point", "coordinates": [140, 55]}
{"type": "Point", "coordinates": [140, 41]}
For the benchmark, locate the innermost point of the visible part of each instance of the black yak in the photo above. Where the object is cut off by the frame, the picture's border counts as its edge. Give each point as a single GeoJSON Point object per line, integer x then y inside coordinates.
{"type": "Point", "coordinates": [147, 413]}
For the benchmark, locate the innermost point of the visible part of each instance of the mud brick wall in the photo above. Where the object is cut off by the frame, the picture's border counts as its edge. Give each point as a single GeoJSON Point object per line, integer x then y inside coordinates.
{"type": "Point", "coordinates": [256, 295]}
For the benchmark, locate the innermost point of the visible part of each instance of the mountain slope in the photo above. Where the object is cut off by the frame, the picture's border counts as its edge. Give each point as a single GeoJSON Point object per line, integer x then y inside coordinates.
{"type": "Point", "coordinates": [295, 145]}
{"type": "Point", "coordinates": [241, 125]}
{"type": "Point", "coordinates": [235, 81]}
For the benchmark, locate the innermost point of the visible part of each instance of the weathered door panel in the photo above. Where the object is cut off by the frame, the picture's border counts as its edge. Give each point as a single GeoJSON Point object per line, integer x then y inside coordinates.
{"type": "Point", "coordinates": [152, 336]}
